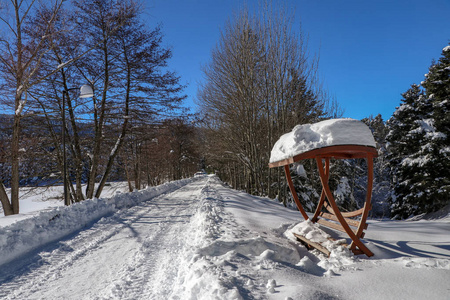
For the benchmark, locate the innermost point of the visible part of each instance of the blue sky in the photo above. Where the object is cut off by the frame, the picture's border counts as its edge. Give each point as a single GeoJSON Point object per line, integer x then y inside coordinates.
{"type": "Point", "coordinates": [370, 51]}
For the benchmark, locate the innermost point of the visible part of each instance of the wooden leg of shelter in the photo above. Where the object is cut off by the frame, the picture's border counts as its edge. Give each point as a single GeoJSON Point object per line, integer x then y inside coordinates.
{"type": "Point", "coordinates": [294, 193]}
{"type": "Point", "coordinates": [322, 194]}
{"type": "Point", "coordinates": [367, 204]}
{"type": "Point", "coordinates": [356, 242]}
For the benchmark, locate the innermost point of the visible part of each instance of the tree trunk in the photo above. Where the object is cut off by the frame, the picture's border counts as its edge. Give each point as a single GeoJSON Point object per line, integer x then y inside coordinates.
{"type": "Point", "coordinates": [111, 158]}
{"type": "Point", "coordinates": [7, 207]}
{"type": "Point", "coordinates": [99, 117]}
{"type": "Point", "coordinates": [15, 160]}
{"type": "Point", "coordinates": [127, 173]}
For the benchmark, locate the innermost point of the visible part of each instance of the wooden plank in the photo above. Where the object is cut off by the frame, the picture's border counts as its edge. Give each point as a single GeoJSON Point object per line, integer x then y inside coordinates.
{"type": "Point", "coordinates": [334, 225]}
{"type": "Point", "coordinates": [345, 214]}
{"type": "Point", "coordinates": [351, 222]}
{"type": "Point", "coordinates": [310, 244]}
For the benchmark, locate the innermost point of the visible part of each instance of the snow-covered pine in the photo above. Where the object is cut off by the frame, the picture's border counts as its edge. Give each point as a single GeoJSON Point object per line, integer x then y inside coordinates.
{"type": "Point", "coordinates": [381, 182]}
{"type": "Point", "coordinates": [419, 130]}
{"type": "Point", "coordinates": [437, 89]}
{"type": "Point", "coordinates": [404, 144]}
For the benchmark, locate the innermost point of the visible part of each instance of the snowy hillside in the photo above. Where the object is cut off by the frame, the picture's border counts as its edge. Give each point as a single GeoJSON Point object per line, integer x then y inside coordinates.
{"type": "Point", "coordinates": [198, 239]}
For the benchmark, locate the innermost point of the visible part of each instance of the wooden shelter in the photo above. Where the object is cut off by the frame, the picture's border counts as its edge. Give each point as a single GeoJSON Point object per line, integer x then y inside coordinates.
{"type": "Point", "coordinates": [327, 212]}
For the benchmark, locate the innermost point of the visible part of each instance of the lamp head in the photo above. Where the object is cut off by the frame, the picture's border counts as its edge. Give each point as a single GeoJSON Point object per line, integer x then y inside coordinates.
{"type": "Point", "coordinates": [86, 91]}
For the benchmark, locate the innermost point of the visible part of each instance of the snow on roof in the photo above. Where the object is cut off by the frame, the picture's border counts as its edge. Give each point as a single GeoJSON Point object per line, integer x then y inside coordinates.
{"type": "Point", "coordinates": [332, 132]}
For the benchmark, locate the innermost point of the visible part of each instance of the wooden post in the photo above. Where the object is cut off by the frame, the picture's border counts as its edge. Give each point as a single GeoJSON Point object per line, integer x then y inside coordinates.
{"type": "Point", "coordinates": [294, 193]}
{"type": "Point", "coordinates": [322, 194]}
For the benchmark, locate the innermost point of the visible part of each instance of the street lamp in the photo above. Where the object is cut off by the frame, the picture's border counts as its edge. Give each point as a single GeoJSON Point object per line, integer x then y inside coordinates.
{"type": "Point", "coordinates": [85, 92]}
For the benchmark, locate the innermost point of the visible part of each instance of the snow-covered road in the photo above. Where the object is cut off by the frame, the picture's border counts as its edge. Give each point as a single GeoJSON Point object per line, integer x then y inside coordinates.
{"type": "Point", "coordinates": [133, 254]}
{"type": "Point", "coordinates": [199, 239]}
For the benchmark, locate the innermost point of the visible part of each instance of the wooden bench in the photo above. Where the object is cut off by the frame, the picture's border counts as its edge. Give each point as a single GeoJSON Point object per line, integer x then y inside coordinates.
{"type": "Point", "coordinates": [327, 212]}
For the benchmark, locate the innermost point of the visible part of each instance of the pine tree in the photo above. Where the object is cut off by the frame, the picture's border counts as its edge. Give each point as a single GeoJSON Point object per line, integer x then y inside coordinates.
{"type": "Point", "coordinates": [419, 144]}
{"type": "Point", "coordinates": [404, 143]}
{"type": "Point", "coordinates": [343, 173]}
{"type": "Point", "coordinates": [437, 87]}
{"type": "Point", "coordinates": [381, 175]}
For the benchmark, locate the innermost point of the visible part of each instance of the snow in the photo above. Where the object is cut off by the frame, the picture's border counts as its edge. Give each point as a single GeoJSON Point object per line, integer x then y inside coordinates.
{"type": "Point", "coordinates": [62, 65]}
{"type": "Point", "coordinates": [49, 225]}
{"type": "Point", "coordinates": [427, 126]}
{"type": "Point", "coordinates": [332, 132]}
{"type": "Point", "coordinates": [20, 107]}
{"type": "Point", "coordinates": [199, 239]}
{"type": "Point", "coordinates": [446, 49]}
{"type": "Point", "coordinates": [300, 170]}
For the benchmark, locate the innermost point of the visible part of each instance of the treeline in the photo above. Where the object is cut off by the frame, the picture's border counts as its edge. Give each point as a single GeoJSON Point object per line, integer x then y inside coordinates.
{"type": "Point", "coordinates": [48, 50]}
{"type": "Point", "coordinates": [261, 81]}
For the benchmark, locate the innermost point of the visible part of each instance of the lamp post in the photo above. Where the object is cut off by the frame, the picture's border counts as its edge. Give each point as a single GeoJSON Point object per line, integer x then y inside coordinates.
{"type": "Point", "coordinates": [85, 92]}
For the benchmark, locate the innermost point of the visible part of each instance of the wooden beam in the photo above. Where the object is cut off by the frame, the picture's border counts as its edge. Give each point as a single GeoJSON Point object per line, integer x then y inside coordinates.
{"type": "Point", "coordinates": [310, 244]}
{"type": "Point", "coordinates": [294, 193]}
{"type": "Point", "coordinates": [345, 214]}
{"type": "Point", "coordinates": [351, 222]}
{"type": "Point", "coordinates": [334, 225]}
{"type": "Point", "coordinates": [337, 151]}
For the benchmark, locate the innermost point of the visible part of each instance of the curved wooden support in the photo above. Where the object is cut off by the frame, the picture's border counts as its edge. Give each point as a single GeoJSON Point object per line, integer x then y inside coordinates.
{"type": "Point", "coordinates": [367, 204]}
{"type": "Point", "coordinates": [293, 192]}
{"type": "Point", "coordinates": [349, 214]}
{"type": "Point", "coordinates": [356, 242]}
{"type": "Point", "coordinates": [319, 207]}
{"type": "Point", "coordinates": [322, 194]}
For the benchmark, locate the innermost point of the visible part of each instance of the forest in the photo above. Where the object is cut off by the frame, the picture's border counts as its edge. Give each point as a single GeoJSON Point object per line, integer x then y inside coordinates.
{"type": "Point", "coordinates": [261, 81]}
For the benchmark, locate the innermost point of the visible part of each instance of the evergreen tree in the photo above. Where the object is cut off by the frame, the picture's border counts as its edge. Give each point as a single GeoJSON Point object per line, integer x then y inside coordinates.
{"type": "Point", "coordinates": [381, 175]}
{"type": "Point", "coordinates": [437, 149]}
{"type": "Point", "coordinates": [404, 142]}
{"type": "Point", "coordinates": [304, 176]}
{"type": "Point", "coordinates": [342, 182]}
{"type": "Point", "coordinates": [419, 144]}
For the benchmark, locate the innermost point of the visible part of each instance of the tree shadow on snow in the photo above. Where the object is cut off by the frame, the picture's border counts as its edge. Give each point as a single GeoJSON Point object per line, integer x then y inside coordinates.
{"type": "Point", "coordinates": [410, 249]}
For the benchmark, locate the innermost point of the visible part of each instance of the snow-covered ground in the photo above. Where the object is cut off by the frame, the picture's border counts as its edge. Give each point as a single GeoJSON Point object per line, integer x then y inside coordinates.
{"type": "Point", "coordinates": [198, 239]}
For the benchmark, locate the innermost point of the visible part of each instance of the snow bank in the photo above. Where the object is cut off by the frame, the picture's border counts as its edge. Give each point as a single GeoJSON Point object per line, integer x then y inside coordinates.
{"type": "Point", "coordinates": [313, 233]}
{"type": "Point", "coordinates": [200, 278]}
{"type": "Point", "coordinates": [332, 132]}
{"type": "Point", "coordinates": [340, 255]}
{"type": "Point", "coordinates": [51, 225]}
{"type": "Point", "coordinates": [217, 248]}
{"type": "Point", "coordinates": [124, 200]}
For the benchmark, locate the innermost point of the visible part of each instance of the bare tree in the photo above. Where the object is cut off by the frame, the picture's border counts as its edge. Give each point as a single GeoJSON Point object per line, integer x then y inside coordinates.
{"type": "Point", "coordinates": [125, 66]}
{"type": "Point", "coordinates": [20, 61]}
{"type": "Point", "coordinates": [260, 82]}
{"type": "Point", "coordinates": [147, 88]}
